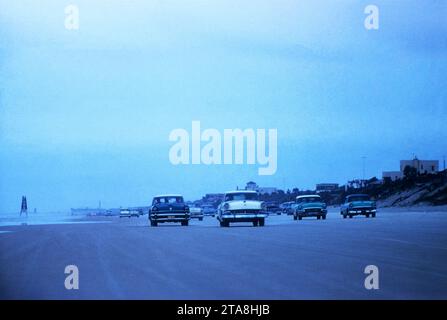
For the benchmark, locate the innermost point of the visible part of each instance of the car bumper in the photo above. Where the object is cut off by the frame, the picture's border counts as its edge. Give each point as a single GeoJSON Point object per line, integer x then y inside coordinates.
{"type": "Point", "coordinates": [313, 213]}
{"type": "Point", "coordinates": [356, 212]}
{"type": "Point", "coordinates": [248, 217]}
{"type": "Point", "coordinates": [169, 217]}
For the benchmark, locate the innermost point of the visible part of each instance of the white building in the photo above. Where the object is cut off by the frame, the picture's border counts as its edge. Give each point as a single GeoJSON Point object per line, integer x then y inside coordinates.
{"type": "Point", "coordinates": [266, 190]}
{"type": "Point", "coordinates": [251, 186]}
{"type": "Point", "coordinates": [261, 190]}
{"type": "Point", "coordinates": [422, 166]}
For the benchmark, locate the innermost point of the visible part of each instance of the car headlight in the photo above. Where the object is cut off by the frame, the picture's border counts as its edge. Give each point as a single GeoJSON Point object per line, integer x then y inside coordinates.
{"type": "Point", "coordinates": [226, 206]}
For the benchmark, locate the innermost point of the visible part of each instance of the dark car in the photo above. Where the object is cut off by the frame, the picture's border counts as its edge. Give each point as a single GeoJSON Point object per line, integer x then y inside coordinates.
{"type": "Point", "coordinates": [272, 207]}
{"type": "Point", "coordinates": [358, 204]}
{"type": "Point", "coordinates": [169, 208]}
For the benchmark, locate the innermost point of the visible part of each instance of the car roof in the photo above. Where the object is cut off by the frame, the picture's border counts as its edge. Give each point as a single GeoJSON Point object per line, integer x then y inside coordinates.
{"type": "Point", "coordinates": [167, 195]}
{"type": "Point", "coordinates": [240, 191]}
{"type": "Point", "coordinates": [308, 196]}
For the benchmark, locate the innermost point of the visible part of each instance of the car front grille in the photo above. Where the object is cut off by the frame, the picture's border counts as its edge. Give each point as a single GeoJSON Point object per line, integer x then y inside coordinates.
{"type": "Point", "coordinates": [313, 210]}
{"type": "Point", "coordinates": [169, 212]}
{"type": "Point", "coordinates": [242, 211]}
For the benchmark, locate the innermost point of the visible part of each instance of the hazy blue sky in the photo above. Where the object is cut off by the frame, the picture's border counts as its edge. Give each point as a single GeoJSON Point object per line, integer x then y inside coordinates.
{"type": "Point", "coordinates": [85, 115]}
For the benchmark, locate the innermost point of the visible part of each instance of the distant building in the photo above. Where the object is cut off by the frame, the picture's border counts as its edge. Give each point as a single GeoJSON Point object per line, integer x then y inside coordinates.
{"type": "Point", "coordinates": [422, 166]}
{"type": "Point", "coordinates": [326, 187]}
{"type": "Point", "coordinates": [261, 190]}
{"type": "Point", "coordinates": [251, 186]}
{"type": "Point", "coordinates": [392, 175]}
{"type": "Point", "coordinates": [267, 190]}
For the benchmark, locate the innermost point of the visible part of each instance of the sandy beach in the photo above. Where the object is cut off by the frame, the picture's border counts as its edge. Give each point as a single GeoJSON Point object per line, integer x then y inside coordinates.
{"type": "Point", "coordinates": [286, 259]}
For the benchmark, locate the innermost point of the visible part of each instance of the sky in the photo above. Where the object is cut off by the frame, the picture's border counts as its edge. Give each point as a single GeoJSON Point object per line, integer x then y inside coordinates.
{"type": "Point", "coordinates": [85, 114]}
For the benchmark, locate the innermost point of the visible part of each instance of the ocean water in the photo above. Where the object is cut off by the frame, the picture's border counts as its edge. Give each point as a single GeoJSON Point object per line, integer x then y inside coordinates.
{"type": "Point", "coordinates": [14, 219]}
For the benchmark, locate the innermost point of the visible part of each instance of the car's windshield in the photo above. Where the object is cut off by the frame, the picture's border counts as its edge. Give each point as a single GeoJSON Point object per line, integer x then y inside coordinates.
{"type": "Point", "coordinates": [358, 198]}
{"type": "Point", "coordinates": [309, 199]}
{"type": "Point", "coordinates": [168, 200]}
{"type": "Point", "coordinates": [241, 196]}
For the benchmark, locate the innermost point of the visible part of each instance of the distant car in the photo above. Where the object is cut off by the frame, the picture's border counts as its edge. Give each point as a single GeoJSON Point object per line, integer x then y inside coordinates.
{"type": "Point", "coordinates": [287, 207]}
{"type": "Point", "coordinates": [196, 213]}
{"type": "Point", "coordinates": [135, 213]}
{"type": "Point", "coordinates": [241, 206]}
{"type": "Point", "coordinates": [358, 204]}
{"type": "Point", "coordinates": [309, 206]}
{"type": "Point", "coordinates": [169, 208]}
{"type": "Point", "coordinates": [125, 213]}
{"type": "Point", "coordinates": [272, 207]}
{"type": "Point", "coordinates": [208, 210]}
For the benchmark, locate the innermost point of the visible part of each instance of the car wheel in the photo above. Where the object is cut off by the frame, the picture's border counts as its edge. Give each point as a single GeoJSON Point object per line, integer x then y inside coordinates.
{"type": "Point", "coordinates": [261, 222]}
{"type": "Point", "coordinates": [294, 217]}
{"type": "Point", "coordinates": [350, 216]}
{"type": "Point", "coordinates": [324, 217]}
{"type": "Point", "coordinates": [373, 215]}
{"type": "Point", "coordinates": [255, 223]}
{"type": "Point", "coordinates": [367, 215]}
{"type": "Point", "coordinates": [200, 219]}
{"type": "Point", "coordinates": [154, 223]}
{"type": "Point", "coordinates": [318, 217]}
{"type": "Point", "coordinates": [344, 216]}
{"type": "Point", "coordinates": [224, 224]}
{"type": "Point", "coordinates": [185, 223]}
{"type": "Point", "coordinates": [300, 218]}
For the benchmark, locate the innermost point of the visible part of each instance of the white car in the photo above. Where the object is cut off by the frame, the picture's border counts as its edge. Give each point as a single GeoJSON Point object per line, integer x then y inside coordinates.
{"type": "Point", "coordinates": [125, 213]}
{"type": "Point", "coordinates": [241, 206]}
{"type": "Point", "coordinates": [196, 213]}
